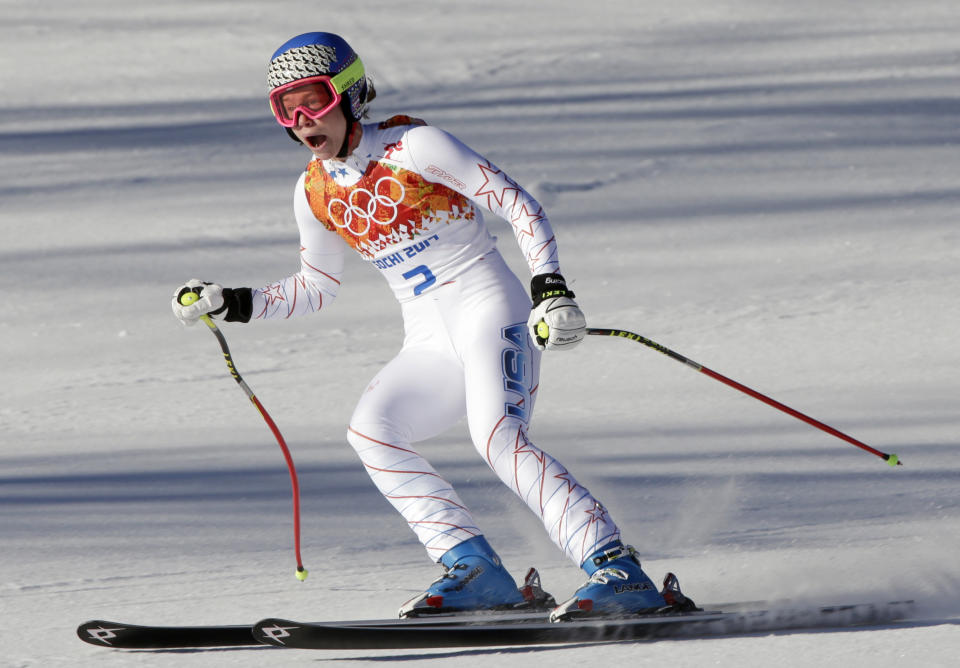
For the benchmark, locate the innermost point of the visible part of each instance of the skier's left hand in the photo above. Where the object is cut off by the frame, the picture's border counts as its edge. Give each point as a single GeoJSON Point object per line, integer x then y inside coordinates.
{"type": "Point", "coordinates": [555, 322]}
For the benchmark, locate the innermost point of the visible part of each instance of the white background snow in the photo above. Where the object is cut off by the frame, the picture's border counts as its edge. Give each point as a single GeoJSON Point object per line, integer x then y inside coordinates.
{"type": "Point", "coordinates": [769, 188]}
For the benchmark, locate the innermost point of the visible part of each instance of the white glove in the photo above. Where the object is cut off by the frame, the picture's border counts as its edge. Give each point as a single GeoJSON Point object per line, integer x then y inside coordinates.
{"type": "Point", "coordinates": [555, 322]}
{"type": "Point", "coordinates": [210, 302]}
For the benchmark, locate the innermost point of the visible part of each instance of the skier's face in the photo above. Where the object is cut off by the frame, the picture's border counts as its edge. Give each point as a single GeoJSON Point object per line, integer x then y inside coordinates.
{"type": "Point", "coordinates": [323, 136]}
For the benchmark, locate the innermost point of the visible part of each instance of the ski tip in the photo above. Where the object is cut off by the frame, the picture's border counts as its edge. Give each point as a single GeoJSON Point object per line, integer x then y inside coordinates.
{"type": "Point", "coordinates": [99, 632]}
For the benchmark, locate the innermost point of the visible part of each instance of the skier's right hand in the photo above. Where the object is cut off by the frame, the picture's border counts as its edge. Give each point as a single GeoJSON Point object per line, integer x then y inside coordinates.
{"type": "Point", "coordinates": [210, 301]}
{"type": "Point", "coordinates": [216, 301]}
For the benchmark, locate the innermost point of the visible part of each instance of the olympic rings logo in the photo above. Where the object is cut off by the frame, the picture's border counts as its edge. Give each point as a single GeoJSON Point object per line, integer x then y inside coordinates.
{"type": "Point", "coordinates": [379, 208]}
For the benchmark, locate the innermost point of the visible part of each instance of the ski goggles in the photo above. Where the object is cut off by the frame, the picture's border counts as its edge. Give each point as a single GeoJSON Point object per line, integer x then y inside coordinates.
{"type": "Point", "coordinates": [313, 97]}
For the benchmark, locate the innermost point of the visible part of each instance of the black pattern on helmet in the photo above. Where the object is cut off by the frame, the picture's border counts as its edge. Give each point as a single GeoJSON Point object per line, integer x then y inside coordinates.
{"type": "Point", "coordinates": [321, 54]}
{"type": "Point", "coordinates": [301, 62]}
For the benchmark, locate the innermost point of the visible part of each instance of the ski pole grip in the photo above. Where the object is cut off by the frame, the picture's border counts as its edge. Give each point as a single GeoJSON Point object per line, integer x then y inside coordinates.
{"type": "Point", "coordinates": [188, 298]}
{"type": "Point", "coordinates": [543, 332]}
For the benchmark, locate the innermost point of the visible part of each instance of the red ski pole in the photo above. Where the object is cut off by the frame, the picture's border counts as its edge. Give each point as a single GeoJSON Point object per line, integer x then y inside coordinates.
{"type": "Point", "coordinates": [191, 297]}
{"type": "Point", "coordinates": [891, 459]}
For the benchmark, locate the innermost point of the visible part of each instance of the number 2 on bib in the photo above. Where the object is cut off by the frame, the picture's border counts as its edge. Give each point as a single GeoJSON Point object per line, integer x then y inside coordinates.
{"type": "Point", "coordinates": [428, 278]}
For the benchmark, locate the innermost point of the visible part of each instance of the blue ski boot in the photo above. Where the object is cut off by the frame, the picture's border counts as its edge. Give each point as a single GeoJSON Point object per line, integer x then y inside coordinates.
{"type": "Point", "coordinates": [473, 579]}
{"type": "Point", "coordinates": [617, 586]}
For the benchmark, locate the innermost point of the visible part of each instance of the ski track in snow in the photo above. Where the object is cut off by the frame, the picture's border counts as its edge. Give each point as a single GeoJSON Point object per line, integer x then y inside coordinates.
{"type": "Point", "coordinates": [768, 188]}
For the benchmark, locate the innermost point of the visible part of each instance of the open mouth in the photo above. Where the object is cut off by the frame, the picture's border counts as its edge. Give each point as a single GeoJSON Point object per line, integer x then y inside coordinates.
{"type": "Point", "coordinates": [315, 141]}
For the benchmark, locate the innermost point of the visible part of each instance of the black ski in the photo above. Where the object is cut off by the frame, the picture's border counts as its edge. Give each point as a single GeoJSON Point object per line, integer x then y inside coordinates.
{"type": "Point", "coordinates": [120, 635]}
{"type": "Point", "coordinates": [427, 634]}
{"type": "Point", "coordinates": [486, 629]}
{"type": "Point", "coordinates": [131, 636]}
{"type": "Point", "coordinates": [430, 632]}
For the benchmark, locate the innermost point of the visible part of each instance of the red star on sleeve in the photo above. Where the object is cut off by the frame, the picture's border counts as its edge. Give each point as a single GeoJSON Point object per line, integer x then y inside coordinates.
{"type": "Point", "coordinates": [274, 294]}
{"type": "Point", "coordinates": [524, 221]}
{"type": "Point", "coordinates": [495, 186]}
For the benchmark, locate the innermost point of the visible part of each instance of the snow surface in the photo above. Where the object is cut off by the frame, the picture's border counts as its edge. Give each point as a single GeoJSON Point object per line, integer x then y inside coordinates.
{"type": "Point", "coordinates": [767, 187]}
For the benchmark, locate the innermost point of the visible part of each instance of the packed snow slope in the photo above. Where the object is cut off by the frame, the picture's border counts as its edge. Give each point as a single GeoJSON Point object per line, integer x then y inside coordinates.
{"type": "Point", "coordinates": [769, 188]}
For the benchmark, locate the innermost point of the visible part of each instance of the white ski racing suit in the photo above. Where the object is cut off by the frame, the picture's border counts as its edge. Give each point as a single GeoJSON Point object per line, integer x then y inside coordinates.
{"type": "Point", "coordinates": [407, 200]}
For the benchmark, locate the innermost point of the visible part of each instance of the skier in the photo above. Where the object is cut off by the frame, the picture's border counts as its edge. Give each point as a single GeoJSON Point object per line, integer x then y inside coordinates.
{"type": "Point", "coordinates": [407, 197]}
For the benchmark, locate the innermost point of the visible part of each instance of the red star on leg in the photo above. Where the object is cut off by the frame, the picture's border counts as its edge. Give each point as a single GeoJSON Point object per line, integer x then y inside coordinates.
{"type": "Point", "coordinates": [521, 447]}
{"type": "Point", "coordinates": [597, 514]}
{"type": "Point", "coordinates": [567, 478]}
{"type": "Point", "coordinates": [525, 446]}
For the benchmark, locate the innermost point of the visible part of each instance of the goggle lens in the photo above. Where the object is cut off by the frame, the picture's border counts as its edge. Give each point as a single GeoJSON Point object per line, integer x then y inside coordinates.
{"type": "Point", "coordinates": [312, 99]}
